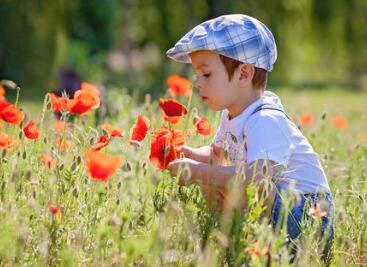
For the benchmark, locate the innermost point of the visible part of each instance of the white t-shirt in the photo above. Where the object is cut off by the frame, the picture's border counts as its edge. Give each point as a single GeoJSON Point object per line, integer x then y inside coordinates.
{"type": "Point", "coordinates": [269, 134]}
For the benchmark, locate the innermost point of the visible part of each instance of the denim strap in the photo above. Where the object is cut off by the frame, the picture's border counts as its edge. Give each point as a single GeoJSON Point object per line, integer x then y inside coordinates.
{"type": "Point", "coordinates": [268, 107]}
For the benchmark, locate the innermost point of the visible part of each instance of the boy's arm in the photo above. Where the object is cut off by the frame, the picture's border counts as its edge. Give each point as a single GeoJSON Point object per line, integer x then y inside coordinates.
{"type": "Point", "coordinates": [201, 154]}
{"type": "Point", "coordinates": [217, 177]}
{"type": "Point", "coordinates": [204, 154]}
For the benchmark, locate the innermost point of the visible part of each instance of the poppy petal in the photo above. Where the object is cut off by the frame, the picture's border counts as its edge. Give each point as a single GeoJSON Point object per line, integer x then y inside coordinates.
{"type": "Point", "coordinates": [101, 166]}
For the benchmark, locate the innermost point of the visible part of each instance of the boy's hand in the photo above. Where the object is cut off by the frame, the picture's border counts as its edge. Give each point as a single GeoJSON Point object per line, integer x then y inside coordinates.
{"type": "Point", "coordinates": [186, 169]}
{"type": "Point", "coordinates": [218, 156]}
{"type": "Point", "coordinates": [185, 150]}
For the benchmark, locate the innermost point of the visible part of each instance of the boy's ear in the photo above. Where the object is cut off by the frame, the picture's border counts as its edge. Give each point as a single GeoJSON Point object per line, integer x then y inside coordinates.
{"type": "Point", "coordinates": [247, 72]}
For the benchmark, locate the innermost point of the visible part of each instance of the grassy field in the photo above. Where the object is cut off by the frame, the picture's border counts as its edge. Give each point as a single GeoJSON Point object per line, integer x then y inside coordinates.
{"type": "Point", "coordinates": [140, 217]}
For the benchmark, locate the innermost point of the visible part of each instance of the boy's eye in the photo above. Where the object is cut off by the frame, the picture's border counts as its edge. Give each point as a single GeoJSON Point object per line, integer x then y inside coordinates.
{"type": "Point", "coordinates": [206, 75]}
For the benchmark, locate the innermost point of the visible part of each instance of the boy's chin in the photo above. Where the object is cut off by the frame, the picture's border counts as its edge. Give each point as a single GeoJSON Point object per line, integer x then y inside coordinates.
{"type": "Point", "coordinates": [215, 107]}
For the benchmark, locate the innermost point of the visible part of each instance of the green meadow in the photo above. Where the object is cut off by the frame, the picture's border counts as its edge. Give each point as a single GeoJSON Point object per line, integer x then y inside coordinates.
{"type": "Point", "coordinates": [141, 217]}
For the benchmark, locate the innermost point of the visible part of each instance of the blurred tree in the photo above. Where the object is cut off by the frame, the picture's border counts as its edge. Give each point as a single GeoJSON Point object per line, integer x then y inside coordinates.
{"type": "Point", "coordinates": [88, 34]}
{"type": "Point", "coordinates": [28, 40]}
{"type": "Point", "coordinates": [124, 41]}
{"type": "Point", "coordinates": [38, 37]}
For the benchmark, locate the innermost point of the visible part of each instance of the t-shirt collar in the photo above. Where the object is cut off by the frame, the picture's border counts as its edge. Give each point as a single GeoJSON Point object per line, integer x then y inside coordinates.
{"type": "Point", "coordinates": [243, 116]}
{"type": "Point", "coordinates": [240, 118]}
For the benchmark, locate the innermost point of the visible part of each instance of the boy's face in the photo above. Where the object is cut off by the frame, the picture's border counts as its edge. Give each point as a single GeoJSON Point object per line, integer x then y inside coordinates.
{"type": "Point", "coordinates": [212, 81]}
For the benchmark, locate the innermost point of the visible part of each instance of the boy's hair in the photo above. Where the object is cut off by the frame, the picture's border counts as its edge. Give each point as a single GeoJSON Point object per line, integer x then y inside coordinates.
{"type": "Point", "coordinates": [260, 77]}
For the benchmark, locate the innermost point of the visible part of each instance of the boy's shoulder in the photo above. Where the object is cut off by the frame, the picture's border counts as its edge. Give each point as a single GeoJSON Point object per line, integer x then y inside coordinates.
{"type": "Point", "coordinates": [267, 111]}
{"type": "Point", "coordinates": [267, 119]}
{"type": "Point", "coordinates": [265, 114]}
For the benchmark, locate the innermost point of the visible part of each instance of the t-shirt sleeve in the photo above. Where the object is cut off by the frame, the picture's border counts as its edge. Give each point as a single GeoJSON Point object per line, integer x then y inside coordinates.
{"type": "Point", "coordinates": [267, 140]}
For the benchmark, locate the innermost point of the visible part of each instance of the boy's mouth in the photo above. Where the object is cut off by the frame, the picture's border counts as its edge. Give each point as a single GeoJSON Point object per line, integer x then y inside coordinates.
{"type": "Point", "coordinates": [204, 98]}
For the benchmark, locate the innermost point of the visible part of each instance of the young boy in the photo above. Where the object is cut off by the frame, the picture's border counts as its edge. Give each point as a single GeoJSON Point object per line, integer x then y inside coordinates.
{"type": "Point", "coordinates": [231, 56]}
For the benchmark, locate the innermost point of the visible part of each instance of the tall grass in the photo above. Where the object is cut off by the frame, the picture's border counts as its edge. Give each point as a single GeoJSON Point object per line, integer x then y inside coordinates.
{"type": "Point", "coordinates": [141, 217]}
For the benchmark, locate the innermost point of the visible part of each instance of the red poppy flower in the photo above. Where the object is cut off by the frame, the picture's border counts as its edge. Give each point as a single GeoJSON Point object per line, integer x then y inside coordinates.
{"type": "Point", "coordinates": [58, 103]}
{"type": "Point", "coordinates": [172, 110]}
{"type": "Point", "coordinates": [6, 141]}
{"type": "Point", "coordinates": [340, 123]}
{"type": "Point", "coordinates": [48, 161]}
{"type": "Point", "coordinates": [178, 138]}
{"type": "Point", "coordinates": [203, 126]}
{"type": "Point", "coordinates": [31, 130]}
{"type": "Point", "coordinates": [179, 86]}
{"type": "Point", "coordinates": [112, 131]}
{"type": "Point", "coordinates": [139, 129]}
{"type": "Point", "coordinates": [55, 209]}
{"type": "Point", "coordinates": [2, 101]}
{"type": "Point", "coordinates": [306, 119]}
{"type": "Point", "coordinates": [2, 91]}
{"type": "Point", "coordinates": [83, 101]}
{"type": "Point", "coordinates": [60, 126]}
{"type": "Point", "coordinates": [102, 142]}
{"type": "Point", "coordinates": [90, 87]}
{"type": "Point", "coordinates": [10, 113]}
{"type": "Point", "coordinates": [101, 166]}
{"type": "Point", "coordinates": [164, 145]}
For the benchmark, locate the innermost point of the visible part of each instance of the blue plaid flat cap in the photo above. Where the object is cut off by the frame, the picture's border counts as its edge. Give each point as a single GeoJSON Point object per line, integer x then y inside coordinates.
{"type": "Point", "coordinates": [240, 37]}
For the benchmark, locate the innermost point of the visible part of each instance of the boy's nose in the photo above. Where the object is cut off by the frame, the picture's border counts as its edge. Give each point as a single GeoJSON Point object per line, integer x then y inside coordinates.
{"type": "Point", "coordinates": [197, 84]}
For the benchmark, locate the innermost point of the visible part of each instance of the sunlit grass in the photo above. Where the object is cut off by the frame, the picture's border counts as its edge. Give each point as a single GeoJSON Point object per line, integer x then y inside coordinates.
{"type": "Point", "coordinates": [142, 218]}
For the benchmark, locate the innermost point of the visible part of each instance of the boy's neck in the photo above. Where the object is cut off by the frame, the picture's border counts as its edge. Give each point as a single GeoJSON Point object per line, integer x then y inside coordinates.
{"type": "Point", "coordinates": [242, 103]}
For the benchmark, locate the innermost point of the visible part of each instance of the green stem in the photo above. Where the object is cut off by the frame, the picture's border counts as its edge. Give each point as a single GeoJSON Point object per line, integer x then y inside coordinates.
{"type": "Point", "coordinates": [17, 97]}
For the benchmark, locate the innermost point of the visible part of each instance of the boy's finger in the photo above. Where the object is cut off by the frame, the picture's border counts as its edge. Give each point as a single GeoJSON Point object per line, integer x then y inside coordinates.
{"type": "Point", "coordinates": [173, 168]}
{"type": "Point", "coordinates": [170, 166]}
{"type": "Point", "coordinates": [173, 163]}
{"type": "Point", "coordinates": [218, 154]}
{"type": "Point", "coordinates": [216, 149]}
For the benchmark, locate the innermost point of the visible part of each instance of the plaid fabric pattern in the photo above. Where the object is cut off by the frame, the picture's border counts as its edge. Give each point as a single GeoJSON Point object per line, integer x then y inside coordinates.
{"type": "Point", "coordinates": [240, 37]}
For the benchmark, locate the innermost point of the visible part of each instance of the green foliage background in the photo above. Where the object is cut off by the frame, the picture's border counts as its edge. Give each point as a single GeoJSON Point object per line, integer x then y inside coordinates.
{"type": "Point", "coordinates": [319, 42]}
